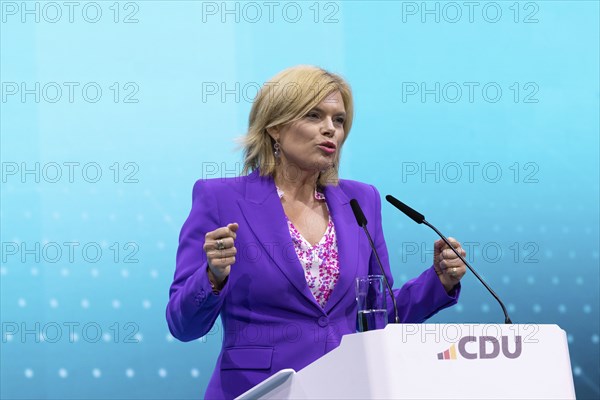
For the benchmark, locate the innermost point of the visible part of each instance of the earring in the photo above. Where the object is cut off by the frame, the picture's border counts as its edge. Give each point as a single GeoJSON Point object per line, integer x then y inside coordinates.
{"type": "Point", "coordinates": [277, 149]}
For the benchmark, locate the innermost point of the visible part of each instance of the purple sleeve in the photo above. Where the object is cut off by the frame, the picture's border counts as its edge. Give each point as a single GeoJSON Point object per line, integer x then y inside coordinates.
{"type": "Point", "coordinates": [419, 298]}
{"type": "Point", "coordinates": [193, 307]}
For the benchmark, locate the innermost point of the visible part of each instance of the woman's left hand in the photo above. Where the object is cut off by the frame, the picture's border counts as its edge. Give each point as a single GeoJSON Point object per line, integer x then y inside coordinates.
{"type": "Point", "coordinates": [449, 268]}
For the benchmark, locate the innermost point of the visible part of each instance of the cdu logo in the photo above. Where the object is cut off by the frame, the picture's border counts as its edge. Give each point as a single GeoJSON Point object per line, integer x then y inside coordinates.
{"type": "Point", "coordinates": [472, 347]}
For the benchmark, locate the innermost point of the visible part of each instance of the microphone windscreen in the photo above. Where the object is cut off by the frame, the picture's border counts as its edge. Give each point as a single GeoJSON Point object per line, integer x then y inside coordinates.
{"type": "Point", "coordinates": [358, 214]}
{"type": "Point", "coordinates": [412, 214]}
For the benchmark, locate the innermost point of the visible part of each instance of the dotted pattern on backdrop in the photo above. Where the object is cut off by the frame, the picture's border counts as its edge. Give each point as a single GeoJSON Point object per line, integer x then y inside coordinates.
{"type": "Point", "coordinates": [96, 329]}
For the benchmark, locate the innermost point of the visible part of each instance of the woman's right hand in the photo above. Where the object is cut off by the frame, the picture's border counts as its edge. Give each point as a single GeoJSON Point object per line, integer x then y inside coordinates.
{"type": "Point", "coordinates": [219, 246]}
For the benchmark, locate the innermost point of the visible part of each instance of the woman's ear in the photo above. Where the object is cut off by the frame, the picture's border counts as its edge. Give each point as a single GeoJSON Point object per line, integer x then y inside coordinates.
{"type": "Point", "coordinates": [273, 131]}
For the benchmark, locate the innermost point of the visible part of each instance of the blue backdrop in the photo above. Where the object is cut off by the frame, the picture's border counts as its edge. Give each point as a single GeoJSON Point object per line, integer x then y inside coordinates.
{"type": "Point", "coordinates": [482, 115]}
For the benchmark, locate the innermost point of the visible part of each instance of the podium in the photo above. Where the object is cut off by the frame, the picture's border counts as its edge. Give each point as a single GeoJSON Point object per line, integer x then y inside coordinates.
{"type": "Point", "coordinates": [451, 361]}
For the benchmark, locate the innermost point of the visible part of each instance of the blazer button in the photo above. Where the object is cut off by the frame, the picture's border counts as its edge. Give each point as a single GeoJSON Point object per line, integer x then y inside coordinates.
{"type": "Point", "coordinates": [200, 297]}
{"type": "Point", "coordinates": [323, 321]}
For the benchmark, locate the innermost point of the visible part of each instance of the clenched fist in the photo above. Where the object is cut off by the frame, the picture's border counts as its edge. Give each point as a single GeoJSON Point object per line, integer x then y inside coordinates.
{"type": "Point", "coordinates": [447, 265]}
{"type": "Point", "coordinates": [219, 246]}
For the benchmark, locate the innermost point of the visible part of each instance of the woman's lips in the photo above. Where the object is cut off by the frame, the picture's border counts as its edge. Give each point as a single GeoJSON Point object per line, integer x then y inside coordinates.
{"type": "Point", "coordinates": [326, 149]}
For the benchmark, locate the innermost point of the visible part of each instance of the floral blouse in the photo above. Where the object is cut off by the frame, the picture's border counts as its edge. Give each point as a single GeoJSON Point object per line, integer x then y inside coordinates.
{"type": "Point", "coordinates": [320, 262]}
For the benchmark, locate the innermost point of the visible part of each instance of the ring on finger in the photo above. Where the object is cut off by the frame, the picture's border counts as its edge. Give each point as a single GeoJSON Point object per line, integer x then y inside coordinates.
{"type": "Point", "coordinates": [220, 244]}
{"type": "Point", "coordinates": [453, 272]}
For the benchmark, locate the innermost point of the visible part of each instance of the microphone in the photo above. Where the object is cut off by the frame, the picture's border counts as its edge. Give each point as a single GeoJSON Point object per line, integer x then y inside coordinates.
{"type": "Point", "coordinates": [362, 222]}
{"type": "Point", "coordinates": [420, 219]}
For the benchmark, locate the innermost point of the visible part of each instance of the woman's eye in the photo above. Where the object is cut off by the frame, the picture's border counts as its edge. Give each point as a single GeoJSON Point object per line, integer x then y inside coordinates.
{"type": "Point", "coordinates": [340, 120]}
{"type": "Point", "coordinates": [312, 115]}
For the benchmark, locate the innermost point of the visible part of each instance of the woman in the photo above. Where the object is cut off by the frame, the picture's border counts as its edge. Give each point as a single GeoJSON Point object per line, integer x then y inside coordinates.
{"type": "Point", "coordinates": [276, 253]}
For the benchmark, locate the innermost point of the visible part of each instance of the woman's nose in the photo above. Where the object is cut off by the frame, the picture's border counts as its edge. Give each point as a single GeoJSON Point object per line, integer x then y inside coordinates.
{"type": "Point", "coordinates": [328, 128]}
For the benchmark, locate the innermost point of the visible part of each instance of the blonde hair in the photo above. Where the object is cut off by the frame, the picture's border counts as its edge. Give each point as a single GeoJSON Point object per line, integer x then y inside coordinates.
{"type": "Point", "coordinates": [286, 98]}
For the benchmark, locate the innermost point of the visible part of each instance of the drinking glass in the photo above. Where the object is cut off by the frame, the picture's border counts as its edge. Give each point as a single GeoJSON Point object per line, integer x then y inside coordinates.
{"type": "Point", "coordinates": [370, 297]}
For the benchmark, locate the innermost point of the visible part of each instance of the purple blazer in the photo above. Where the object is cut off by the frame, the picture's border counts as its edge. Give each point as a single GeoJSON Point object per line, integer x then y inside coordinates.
{"type": "Point", "coordinates": [270, 318]}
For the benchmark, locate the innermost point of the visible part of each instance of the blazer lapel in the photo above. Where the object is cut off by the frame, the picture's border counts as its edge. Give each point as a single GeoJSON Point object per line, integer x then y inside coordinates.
{"type": "Point", "coordinates": [347, 235]}
{"type": "Point", "coordinates": [266, 219]}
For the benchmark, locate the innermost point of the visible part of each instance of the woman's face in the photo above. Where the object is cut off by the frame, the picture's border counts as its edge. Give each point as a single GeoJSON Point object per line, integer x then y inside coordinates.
{"type": "Point", "coordinates": [313, 142]}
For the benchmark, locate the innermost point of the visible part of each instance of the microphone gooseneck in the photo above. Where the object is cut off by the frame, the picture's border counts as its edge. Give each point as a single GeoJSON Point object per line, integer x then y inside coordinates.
{"type": "Point", "coordinates": [362, 222]}
{"type": "Point", "coordinates": [420, 219]}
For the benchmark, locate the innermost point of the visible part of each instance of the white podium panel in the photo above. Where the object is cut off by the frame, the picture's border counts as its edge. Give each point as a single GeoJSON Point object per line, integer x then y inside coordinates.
{"type": "Point", "coordinates": [455, 361]}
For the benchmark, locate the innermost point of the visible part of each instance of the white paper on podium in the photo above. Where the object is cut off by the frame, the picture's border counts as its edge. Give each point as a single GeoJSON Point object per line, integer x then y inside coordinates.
{"type": "Point", "coordinates": [274, 387]}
